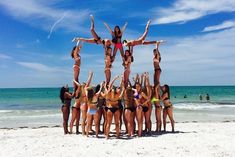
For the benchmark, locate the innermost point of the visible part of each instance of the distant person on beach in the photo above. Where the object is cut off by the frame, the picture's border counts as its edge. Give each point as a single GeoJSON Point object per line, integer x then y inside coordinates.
{"type": "Point", "coordinates": [207, 97]}
{"type": "Point", "coordinates": [185, 96]}
{"type": "Point", "coordinates": [168, 107]}
{"type": "Point", "coordinates": [117, 38]}
{"type": "Point", "coordinates": [65, 97]}
{"type": "Point", "coordinates": [77, 62]}
{"type": "Point", "coordinates": [92, 113]}
{"type": "Point", "coordinates": [200, 97]}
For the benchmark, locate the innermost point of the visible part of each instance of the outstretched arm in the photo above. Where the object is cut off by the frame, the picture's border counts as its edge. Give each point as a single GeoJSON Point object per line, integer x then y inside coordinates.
{"type": "Point", "coordinates": [101, 86]}
{"type": "Point", "coordinates": [112, 82]}
{"type": "Point", "coordinates": [124, 27]}
{"type": "Point", "coordinates": [109, 28]}
{"type": "Point", "coordinates": [89, 79]}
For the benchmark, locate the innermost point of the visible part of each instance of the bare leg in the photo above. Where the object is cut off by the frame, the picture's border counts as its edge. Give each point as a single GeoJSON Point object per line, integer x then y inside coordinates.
{"type": "Point", "coordinates": [125, 121]}
{"type": "Point", "coordinates": [159, 120]}
{"type": "Point", "coordinates": [121, 112]}
{"type": "Point", "coordinates": [170, 114]}
{"type": "Point", "coordinates": [142, 38]}
{"type": "Point", "coordinates": [65, 110]}
{"type": "Point", "coordinates": [147, 120]}
{"type": "Point", "coordinates": [126, 77]}
{"type": "Point", "coordinates": [157, 74]}
{"type": "Point", "coordinates": [117, 122]}
{"type": "Point", "coordinates": [164, 118]}
{"type": "Point", "coordinates": [107, 75]}
{"type": "Point", "coordinates": [74, 116]}
{"type": "Point", "coordinates": [149, 42]}
{"type": "Point", "coordinates": [109, 117]}
{"type": "Point", "coordinates": [94, 34]}
{"type": "Point", "coordinates": [89, 123]}
{"type": "Point", "coordinates": [139, 116]}
{"type": "Point", "coordinates": [96, 120]}
{"type": "Point", "coordinates": [114, 53]}
{"type": "Point", "coordinates": [77, 121]}
{"type": "Point", "coordinates": [76, 71]}
{"type": "Point", "coordinates": [84, 115]}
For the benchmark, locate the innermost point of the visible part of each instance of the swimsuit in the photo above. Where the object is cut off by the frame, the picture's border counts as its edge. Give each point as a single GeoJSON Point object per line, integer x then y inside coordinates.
{"type": "Point", "coordinates": [92, 111]}
{"type": "Point", "coordinates": [112, 109]}
{"type": "Point", "coordinates": [132, 109]}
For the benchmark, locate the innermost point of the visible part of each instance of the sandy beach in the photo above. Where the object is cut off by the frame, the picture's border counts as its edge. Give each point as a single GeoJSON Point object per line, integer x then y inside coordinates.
{"type": "Point", "coordinates": [190, 139]}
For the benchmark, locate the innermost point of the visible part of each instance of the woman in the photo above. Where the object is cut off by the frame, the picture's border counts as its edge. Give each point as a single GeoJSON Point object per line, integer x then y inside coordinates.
{"type": "Point", "coordinates": [156, 64]}
{"type": "Point", "coordinates": [129, 110]}
{"type": "Point", "coordinates": [141, 106]}
{"type": "Point", "coordinates": [147, 108]}
{"type": "Point", "coordinates": [77, 62]}
{"type": "Point", "coordinates": [83, 101]}
{"type": "Point", "coordinates": [108, 63]}
{"type": "Point", "coordinates": [128, 58]}
{"type": "Point", "coordinates": [111, 108]}
{"type": "Point", "coordinates": [168, 107]}
{"type": "Point", "coordinates": [158, 108]}
{"type": "Point", "coordinates": [140, 40]}
{"type": "Point", "coordinates": [92, 108]}
{"type": "Point", "coordinates": [76, 109]}
{"type": "Point", "coordinates": [117, 38]}
{"type": "Point", "coordinates": [65, 98]}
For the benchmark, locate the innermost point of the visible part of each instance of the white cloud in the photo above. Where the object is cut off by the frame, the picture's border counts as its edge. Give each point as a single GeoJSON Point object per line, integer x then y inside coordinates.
{"type": "Point", "coordinates": [224, 25]}
{"type": "Point", "coordinates": [3, 56]}
{"type": "Point", "coordinates": [44, 14]}
{"type": "Point", "coordinates": [186, 10]}
{"type": "Point", "coordinates": [42, 67]}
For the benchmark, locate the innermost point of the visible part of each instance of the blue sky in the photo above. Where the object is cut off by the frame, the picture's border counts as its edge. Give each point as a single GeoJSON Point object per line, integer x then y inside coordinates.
{"type": "Point", "coordinates": [200, 39]}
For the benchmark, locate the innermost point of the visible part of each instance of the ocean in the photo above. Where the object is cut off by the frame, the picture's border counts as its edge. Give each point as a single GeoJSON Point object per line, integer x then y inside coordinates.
{"type": "Point", "coordinates": [34, 107]}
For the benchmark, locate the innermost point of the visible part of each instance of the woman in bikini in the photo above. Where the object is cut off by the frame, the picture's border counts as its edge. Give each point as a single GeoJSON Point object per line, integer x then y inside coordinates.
{"type": "Point", "coordinates": [168, 107]}
{"type": "Point", "coordinates": [117, 38]}
{"type": "Point", "coordinates": [158, 108]}
{"type": "Point", "coordinates": [83, 100]}
{"type": "Point", "coordinates": [111, 108]}
{"type": "Point", "coordinates": [129, 111]}
{"type": "Point", "coordinates": [76, 108]}
{"type": "Point", "coordinates": [147, 108]}
{"type": "Point", "coordinates": [92, 112]}
{"type": "Point", "coordinates": [77, 62]}
{"type": "Point", "coordinates": [128, 58]}
{"type": "Point", "coordinates": [141, 106]}
{"type": "Point", "coordinates": [140, 40]}
{"type": "Point", "coordinates": [65, 98]}
{"type": "Point", "coordinates": [156, 63]}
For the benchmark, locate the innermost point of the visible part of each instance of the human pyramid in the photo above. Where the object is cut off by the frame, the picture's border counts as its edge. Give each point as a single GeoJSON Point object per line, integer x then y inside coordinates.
{"type": "Point", "coordinates": [128, 102]}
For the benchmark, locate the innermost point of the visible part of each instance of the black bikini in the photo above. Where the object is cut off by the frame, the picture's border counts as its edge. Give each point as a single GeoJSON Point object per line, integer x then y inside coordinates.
{"type": "Point", "coordinates": [112, 109]}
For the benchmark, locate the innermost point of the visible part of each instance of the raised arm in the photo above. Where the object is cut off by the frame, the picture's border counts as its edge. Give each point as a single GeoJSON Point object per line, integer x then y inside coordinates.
{"type": "Point", "coordinates": [112, 82]}
{"type": "Point", "coordinates": [124, 27]}
{"type": "Point", "coordinates": [159, 42]}
{"type": "Point", "coordinates": [89, 79]}
{"type": "Point", "coordinates": [101, 86]}
{"type": "Point", "coordinates": [109, 28]}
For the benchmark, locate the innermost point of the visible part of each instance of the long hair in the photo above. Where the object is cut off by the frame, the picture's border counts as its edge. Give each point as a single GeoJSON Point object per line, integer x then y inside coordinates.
{"type": "Point", "coordinates": [72, 52]}
{"type": "Point", "coordinates": [90, 94]}
{"type": "Point", "coordinates": [119, 31]}
{"type": "Point", "coordinates": [129, 94]}
{"type": "Point", "coordinates": [157, 54]}
{"type": "Point", "coordinates": [97, 88]}
{"type": "Point", "coordinates": [62, 91]}
{"type": "Point", "coordinates": [167, 90]}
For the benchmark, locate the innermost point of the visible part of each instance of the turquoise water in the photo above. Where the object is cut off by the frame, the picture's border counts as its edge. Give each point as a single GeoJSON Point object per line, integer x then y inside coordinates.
{"type": "Point", "coordinates": [41, 106]}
